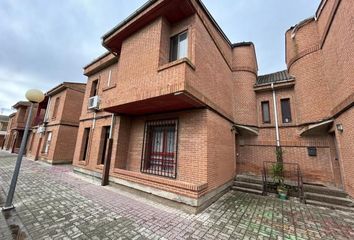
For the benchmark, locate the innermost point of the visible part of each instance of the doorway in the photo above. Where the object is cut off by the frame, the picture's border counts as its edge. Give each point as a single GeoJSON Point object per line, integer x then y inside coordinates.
{"type": "Point", "coordinates": [335, 161]}
{"type": "Point", "coordinates": [104, 143]}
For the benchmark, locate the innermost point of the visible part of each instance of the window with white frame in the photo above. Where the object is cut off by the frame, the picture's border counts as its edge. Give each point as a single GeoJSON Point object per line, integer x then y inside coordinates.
{"type": "Point", "coordinates": [109, 78]}
{"type": "Point", "coordinates": [179, 46]}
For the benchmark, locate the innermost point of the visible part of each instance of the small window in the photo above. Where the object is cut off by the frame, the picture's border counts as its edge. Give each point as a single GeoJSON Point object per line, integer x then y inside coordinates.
{"type": "Point", "coordinates": [94, 89]}
{"type": "Point", "coordinates": [265, 112]}
{"type": "Point", "coordinates": [160, 148]}
{"type": "Point", "coordinates": [47, 142]}
{"type": "Point", "coordinates": [179, 46]}
{"type": "Point", "coordinates": [109, 78]}
{"type": "Point", "coordinates": [85, 143]}
{"type": "Point", "coordinates": [56, 106]}
{"type": "Point", "coordinates": [286, 110]}
{"type": "Point", "coordinates": [312, 151]}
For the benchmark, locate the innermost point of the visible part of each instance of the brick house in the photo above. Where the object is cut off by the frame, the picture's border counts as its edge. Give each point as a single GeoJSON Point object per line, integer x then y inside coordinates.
{"type": "Point", "coordinates": [17, 122]}
{"type": "Point", "coordinates": [6, 143]}
{"type": "Point", "coordinates": [177, 110]}
{"type": "Point", "coordinates": [4, 120]}
{"type": "Point", "coordinates": [53, 139]}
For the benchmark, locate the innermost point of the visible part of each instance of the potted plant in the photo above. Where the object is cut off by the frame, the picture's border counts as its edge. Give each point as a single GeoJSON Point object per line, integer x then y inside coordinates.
{"type": "Point", "coordinates": [278, 179]}
{"type": "Point", "coordinates": [282, 191]}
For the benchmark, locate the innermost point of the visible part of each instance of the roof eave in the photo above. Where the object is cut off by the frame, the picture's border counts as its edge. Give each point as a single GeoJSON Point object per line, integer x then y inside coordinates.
{"type": "Point", "coordinates": [128, 19]}
{"type": "Point", "coordinates": [277, 85]}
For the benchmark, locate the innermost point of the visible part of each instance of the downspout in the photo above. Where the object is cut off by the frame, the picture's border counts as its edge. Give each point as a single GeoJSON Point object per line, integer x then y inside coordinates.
{"type": "Point", "coordinates": [276, 117]}
{"type": "Point", "coordinates": [94, 120]}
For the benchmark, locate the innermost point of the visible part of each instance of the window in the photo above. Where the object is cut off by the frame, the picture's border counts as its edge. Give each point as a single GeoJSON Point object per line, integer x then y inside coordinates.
{"type": "Point", "coordinates": [265, 112]}
{"type": "Point", "coordinates": [312, 151]}
{"type": "Point", "coordinates": [85, 143]}
{"type": "Point", "coordinates": [56, 106]}
{"type": "Point", "coordinates": [109, 78]}
{"type": "Point", "coordinates": [285, 110]}
{"type": "Point", "coordinates": [179, 46]}
{"type": "Point", "coordinates": [47, 142]}
{"type": "Point", "coordinates": [94, 88]}
{"type": "Point", "coordinates": [104, 143]}
{"type": "Point", "coordinates": [160, 148]}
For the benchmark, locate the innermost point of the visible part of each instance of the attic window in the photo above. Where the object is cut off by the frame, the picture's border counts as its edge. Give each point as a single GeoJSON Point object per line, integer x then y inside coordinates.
{"type": "Point", "coordinates": [179, 46]}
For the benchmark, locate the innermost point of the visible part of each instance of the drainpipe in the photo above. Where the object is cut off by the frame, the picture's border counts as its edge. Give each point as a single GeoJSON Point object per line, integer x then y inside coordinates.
{"type": "Point", "coordinates": [112, 125]}
{"type": "Point", "coordinates": [276, 116]}
{"type": "Point", "coordinates": [94, 120]}
{"type": "Point", "coordinates": [91, 135]}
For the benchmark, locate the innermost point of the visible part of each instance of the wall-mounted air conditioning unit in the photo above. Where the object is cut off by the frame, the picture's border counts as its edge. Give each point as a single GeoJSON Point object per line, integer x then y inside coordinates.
{"type": "Point", "coordinates": [93, 102]}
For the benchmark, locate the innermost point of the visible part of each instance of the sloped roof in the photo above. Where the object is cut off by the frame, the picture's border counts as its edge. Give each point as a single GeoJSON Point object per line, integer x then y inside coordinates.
{"type": "Point", "coordinates": [73, 85]}
{"type": "Point", "coordinates": [274, 77]}
{"type": "Point", "coordinates": [4, 118]}
{"type": "Point", "coordinates": [21, 103]}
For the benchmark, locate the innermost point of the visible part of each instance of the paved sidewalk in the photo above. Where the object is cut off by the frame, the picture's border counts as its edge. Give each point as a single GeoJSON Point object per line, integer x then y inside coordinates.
{"type": "Point", "coordinates": [51, 203]}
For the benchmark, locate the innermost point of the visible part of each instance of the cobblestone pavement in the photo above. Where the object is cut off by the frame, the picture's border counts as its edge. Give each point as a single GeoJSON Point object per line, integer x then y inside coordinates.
{"type": "Point", "coordinates": [51, 203]}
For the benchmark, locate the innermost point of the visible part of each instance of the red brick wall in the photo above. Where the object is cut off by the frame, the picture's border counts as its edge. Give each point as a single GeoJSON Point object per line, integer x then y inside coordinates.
{"type": "Point", "coordinates": [94, 143]}
{"type": "Point", "coordinates": [221, 163]}
{"type": "Point", "coordinates": [65, 144]}
{"type": "Point", "coordinates": [211, 79]}
{"type": "Point", "coordinates": [253, 151]}
{"type": "Point", "coordinates": [203, 157]}
{"type": "Point", "coordinates": [139, 75]}
{"type": "Point", "coordinates": [191, 144]}
{"type": "Point", "coordinates": [60, 108]}
{"type": "Point", "coordinates": [338, 54]}
{"type": "Point", "coordinates": [346, 149]}
{"type": "Point", "coordinates": [72, 105]}
{"type": "Point", "coordinates": [34, 139]}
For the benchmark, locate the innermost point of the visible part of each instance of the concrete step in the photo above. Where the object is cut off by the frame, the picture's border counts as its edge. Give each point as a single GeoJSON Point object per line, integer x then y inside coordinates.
{"type": "Point", "coordinates": [254, 186]}
{"type": "Point", "coordinates": [329, 199]}
{"type": "Point", "coordinates": [330, 206]}
{"type": "Point", "coordinates": [324, 190]}
{"type": "Point", "coordinates": [249, 179]}
{"type": "Point", "coordinates": [247, 190]}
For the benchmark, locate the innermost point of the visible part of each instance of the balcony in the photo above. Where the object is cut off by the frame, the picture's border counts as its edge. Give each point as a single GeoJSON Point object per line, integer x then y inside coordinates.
{"type": "Point", "coordinates": [162, 92]}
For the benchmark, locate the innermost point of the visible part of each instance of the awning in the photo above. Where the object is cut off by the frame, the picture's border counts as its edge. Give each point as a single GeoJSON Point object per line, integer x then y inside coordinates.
{"type": "Point", "coordinates": [246, 130]}
{"type": "Point", "coordinates": [317, 128]}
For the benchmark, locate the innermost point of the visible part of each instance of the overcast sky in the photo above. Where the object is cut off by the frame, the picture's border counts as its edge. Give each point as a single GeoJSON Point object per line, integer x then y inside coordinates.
{"type": "Point", "coordinates": [43, 43]}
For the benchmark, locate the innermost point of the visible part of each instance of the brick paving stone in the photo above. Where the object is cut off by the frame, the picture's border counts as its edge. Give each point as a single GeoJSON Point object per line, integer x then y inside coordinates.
{"type": "Point", "coordinates": [53, 203]}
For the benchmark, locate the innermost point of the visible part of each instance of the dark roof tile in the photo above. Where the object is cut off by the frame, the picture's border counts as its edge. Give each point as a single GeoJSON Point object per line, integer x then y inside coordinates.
{"type": "Point", "coordinates": [4, 118]}
{"type": "Point", "coordinates": [274, 77]}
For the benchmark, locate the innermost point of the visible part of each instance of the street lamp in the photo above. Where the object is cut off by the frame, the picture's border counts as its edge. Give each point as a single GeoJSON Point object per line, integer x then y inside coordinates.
{"type": "Point", "coordinates": [34, 96]}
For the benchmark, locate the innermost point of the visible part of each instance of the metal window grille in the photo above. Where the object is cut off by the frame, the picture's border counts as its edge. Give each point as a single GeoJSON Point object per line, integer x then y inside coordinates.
{"type": "Point", "coordinates": [159, 155]}
{"type": "Point", "coordinates": [291, 174]}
